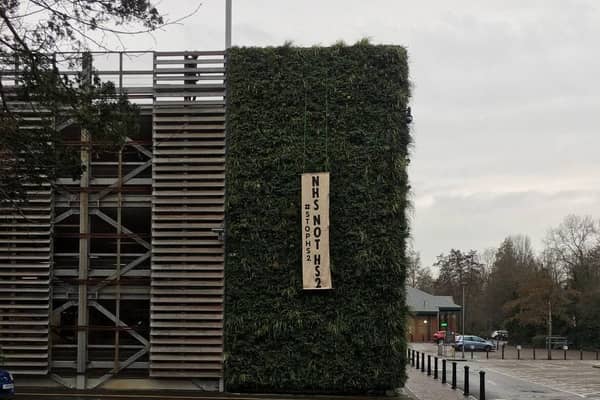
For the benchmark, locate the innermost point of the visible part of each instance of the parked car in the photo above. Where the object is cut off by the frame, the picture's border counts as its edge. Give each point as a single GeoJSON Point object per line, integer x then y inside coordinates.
{"type": "Point", "coordinates": [473, 343]}
{"type": "Point", "coordinates": [500, 335]}
{"type": "Point", "coordinates": [7, 385]}
{"type": "Point", "coordinates": [439, 335]}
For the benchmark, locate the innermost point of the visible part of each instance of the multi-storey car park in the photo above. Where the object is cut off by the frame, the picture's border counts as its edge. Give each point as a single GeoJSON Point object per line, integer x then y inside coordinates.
{"type": "Point", "coordinates": [120, 273]}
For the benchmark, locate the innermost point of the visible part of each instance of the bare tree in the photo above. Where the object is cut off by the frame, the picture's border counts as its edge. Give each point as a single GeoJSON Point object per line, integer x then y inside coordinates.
{"type": "Point", "coordinates": [572, 246]}
{"type": "Point", "coordinates": [33, 36]}
{"type": "Point", "coordinates": [425, 280]}
{"type": "Point", "coordinates": [413, 259]}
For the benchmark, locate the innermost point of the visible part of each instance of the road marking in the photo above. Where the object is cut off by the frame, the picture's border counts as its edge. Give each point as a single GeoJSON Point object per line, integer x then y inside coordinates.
{"type": "Point", "coordinates": [539, 384]}
{"type": "Point", "coordinates": [491, 382]}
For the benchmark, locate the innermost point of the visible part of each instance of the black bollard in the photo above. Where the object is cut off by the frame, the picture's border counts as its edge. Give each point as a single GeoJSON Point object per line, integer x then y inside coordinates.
{"type": "Point", "coordinates": [418, 358]}
{"type": "Point", "coordinates": [471, 354]}
{"type": "Point", "coordinates": [444, 371]}
{"type": "Point", "coordinates": [466, 391]}
{"type": "Point", "coordinates": [487, 354]}
{"type": "Point", "coordinates": [596, 355]}
{"type": "Point", "coordinates": [435, 368]}
{"type": "Point", "coordinates": [565, 354]}
{"type": "Point", "coordinates": [534, 352]}
{"type": "Point", "coordinates": [518, 353]}
{"type": "Point", "coordinates": [412, 358]}
{"type": "Point", "coordinates": [481, 385]}
{"type": "Point", "coordinates": [428, 364]}
{"type": "Point", "coordinates": [503, 351]}
{"type": "Point", "coordinates": [422, 362]}
{"type": "Point", "coordinates": [580, 354]}
{"type": "Point", "coordinates": [453, 375]}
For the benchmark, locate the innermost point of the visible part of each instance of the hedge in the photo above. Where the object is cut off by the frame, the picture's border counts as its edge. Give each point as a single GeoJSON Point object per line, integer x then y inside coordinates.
{"type": "Point", "coordinates": [339, 109]}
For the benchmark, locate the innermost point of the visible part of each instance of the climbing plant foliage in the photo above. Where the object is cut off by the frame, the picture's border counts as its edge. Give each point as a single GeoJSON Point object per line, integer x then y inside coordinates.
{"type": "Point", "coordinates": [291, 110]}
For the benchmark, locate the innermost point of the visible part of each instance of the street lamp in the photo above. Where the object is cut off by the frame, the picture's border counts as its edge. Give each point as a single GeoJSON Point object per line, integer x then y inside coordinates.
{"type": "Point", "coordinates": [463, 319]}
{"type": "Point", "coordinates": [227, 24]}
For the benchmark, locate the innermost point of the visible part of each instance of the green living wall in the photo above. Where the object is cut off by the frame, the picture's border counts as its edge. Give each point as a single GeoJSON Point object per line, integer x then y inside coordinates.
{"type": "Point", "coordinates": [339, 109]}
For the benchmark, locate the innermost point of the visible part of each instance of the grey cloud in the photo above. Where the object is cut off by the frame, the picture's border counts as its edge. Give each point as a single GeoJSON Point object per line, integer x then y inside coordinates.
{"type": "Point", "coordinates": [482, 220]}
{"type": "Point", "coordinates": [506, 100]}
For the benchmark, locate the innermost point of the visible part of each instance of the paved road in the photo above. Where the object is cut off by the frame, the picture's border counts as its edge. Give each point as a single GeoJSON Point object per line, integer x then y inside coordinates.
{"type": "Point", "coordinates": [532, 380]}
{"type": "Point", "coordinates": [156, 395]}
{"type": "Point", "coordinates": [500, 385]}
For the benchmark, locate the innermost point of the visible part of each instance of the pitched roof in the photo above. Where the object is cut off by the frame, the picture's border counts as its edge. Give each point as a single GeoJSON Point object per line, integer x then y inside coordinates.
{"type": "Point", "coordinates": [419, 301]}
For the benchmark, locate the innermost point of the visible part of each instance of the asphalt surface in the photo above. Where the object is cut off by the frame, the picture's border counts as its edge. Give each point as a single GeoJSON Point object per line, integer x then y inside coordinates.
{"type": "Point", "coordinates": [499, 386]}
{"type": "Point", "coordinates": [527, 379]}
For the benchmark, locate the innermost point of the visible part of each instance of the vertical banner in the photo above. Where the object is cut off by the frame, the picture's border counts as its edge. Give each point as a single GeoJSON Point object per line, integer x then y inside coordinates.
{"type": "Point", "coordinates": [315, 231]}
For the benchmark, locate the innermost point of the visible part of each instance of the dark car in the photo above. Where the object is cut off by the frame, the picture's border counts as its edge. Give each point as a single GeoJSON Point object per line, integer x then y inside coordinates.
{"type": "Point", "coordinates": [7, 385]}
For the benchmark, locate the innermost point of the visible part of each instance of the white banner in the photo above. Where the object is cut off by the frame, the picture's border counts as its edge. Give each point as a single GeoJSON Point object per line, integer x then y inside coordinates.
{"type": "Point", "coordinates": [316, 273]}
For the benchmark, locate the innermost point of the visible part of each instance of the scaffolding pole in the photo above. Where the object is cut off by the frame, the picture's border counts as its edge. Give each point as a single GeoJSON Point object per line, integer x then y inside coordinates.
{"type": "Point", "coordinates": [84, 242]}
{"type": "Point", "coordinates": [118, 280]}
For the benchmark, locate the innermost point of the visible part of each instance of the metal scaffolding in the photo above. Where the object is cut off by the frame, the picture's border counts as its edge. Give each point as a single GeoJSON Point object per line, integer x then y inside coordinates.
{"type": "Point", "coordinates": [134, 247]}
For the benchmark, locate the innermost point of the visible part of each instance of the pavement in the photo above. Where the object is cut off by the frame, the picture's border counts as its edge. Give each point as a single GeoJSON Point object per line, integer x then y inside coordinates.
{"type": "Point", "coordinates": [423, 387]}
{"type": "Point", "coordinates": [516, 379]}
{"type": "Point", "coordinates": [182, 395]}
{"type": "Point", "coordinates": [169, 396]}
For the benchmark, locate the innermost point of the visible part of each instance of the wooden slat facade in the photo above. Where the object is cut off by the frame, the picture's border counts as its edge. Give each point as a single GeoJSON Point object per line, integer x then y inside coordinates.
{"type": "Point", "coordinates": [25, 273]}
{"type": "Point", "coordinates": [187, 274]}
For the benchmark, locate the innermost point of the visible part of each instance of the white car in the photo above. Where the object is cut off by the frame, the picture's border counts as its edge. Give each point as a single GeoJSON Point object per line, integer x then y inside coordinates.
{"type": "Point", "coordinates": [500, 335]}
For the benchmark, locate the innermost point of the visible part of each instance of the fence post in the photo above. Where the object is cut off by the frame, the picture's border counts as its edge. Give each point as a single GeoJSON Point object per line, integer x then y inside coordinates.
{"type": "Point", "coordinates": [481, 385]}
{"type": "Point", "coordinates": [466, 381]}
{"type": "Point", "coordinates": [428, 364]}
{"type": "Point", "coordinates": [422, 362]}
{"type": "Point", "coordinates": [444, 371]}
{"type": "Point", "coordinates": [435, 368]}
{"type": "Point", "coordinates": [453, 375]}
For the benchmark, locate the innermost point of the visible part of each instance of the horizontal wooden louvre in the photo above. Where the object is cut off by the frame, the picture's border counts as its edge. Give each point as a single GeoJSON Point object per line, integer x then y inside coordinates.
{"type": "Point", "coordinates": [187, 215]}
{"type": "Point", "coordinates": [25, 272]}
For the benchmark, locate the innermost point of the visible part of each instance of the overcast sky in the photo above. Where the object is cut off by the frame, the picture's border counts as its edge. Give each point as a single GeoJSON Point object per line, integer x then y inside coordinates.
{"type": "Point", "coordinates": [506, 100]}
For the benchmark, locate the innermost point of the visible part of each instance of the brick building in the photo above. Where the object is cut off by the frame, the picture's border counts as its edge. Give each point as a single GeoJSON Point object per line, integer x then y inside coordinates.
{"type": "Point", "coordinates": [429, 313]}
